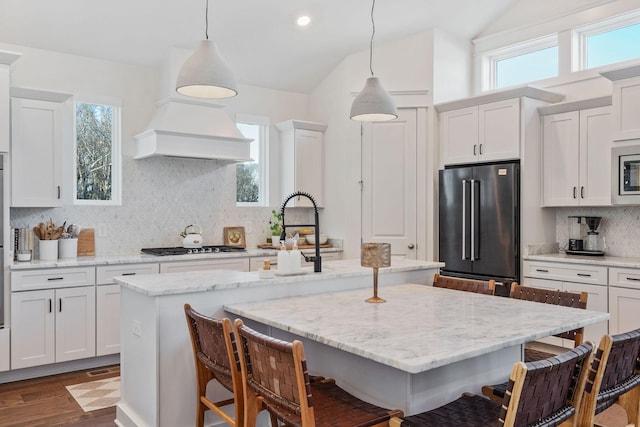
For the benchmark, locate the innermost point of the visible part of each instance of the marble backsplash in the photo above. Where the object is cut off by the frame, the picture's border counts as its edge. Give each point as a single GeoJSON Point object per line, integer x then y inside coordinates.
{"type": "Point", "coordinates": [620, 227]}
{"type": "Point", "coordinates": [160, 197]}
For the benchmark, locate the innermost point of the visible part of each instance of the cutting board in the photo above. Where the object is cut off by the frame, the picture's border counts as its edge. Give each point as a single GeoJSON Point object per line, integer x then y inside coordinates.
{"type": "Point", "coordinates": [87, 242]}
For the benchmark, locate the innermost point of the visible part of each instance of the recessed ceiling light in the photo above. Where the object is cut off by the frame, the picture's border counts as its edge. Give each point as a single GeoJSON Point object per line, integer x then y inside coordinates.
{"type": "Point", "coordinates": [303, 21]}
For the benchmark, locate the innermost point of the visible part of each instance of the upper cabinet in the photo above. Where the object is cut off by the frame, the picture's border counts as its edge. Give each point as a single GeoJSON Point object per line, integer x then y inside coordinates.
{"type": "Point", "coordinates": [302, 160]}
{"type": "Point", "coordinates": [486, 128]}
{"type": "Point", "coordinates": [576, 149]}
{"type": "Point", "coordinates": [37, 128]}
{"type": "Point", "coordinates": [626, 102]}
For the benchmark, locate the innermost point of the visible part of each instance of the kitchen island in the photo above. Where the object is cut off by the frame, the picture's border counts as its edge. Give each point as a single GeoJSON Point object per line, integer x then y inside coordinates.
{"type": "Point", "coordinates": [158, 377]}
{"type": "Point", "coordinates": [420, 349]}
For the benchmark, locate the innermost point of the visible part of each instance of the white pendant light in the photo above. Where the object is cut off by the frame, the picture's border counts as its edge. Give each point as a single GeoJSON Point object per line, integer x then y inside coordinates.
{"type": "Point", "coordinates": [373, 103]}
{"type": "Point", "coordinates": [205, 74]}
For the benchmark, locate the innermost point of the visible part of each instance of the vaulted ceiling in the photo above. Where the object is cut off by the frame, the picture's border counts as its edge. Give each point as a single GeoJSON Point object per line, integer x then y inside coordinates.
{"type": "Point", "coordinates": [258, 38]}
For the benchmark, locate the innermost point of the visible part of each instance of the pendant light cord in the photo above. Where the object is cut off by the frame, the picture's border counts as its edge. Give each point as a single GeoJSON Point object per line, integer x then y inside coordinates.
{"type": "Point", "coordinates": [206, 21]}
{"type": "Point", "coordinates": [373, 33]}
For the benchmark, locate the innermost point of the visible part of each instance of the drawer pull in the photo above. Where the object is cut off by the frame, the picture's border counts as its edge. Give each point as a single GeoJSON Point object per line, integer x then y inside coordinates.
{"type": "Point", "coordinates": [541, 270]}
{"type": "Point", "coordinates": [128, 274]}
{"type": "Point", "coordinates": [50, 305]}
{"type": "Point", "coordinates": [60, 302]}
{"type": "Point", "coordinates": [584, 275]}
{"type": "Point", "coordinates": [55, 278]}
{"type": "Point", "coordinates": [634, 279]}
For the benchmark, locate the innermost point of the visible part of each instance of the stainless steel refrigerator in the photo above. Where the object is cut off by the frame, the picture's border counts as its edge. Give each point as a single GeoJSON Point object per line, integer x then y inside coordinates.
{"type": "Point", "coordinates": [479, 221]}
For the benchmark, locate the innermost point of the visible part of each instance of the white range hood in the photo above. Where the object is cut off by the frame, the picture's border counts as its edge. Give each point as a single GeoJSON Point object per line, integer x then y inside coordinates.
{"type": "Point", "coordinates": [192, 129]}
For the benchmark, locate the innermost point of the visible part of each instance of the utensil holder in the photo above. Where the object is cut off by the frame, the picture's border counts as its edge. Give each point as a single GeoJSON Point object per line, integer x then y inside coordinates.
{"type": "Point", "coordinates": [48, 250]}
{"type": "Point", "coordinates": [68, 248]}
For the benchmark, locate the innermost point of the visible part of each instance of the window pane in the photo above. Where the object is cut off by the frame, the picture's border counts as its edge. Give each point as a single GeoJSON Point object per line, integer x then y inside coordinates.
{"type": "Point", "coordinates": [94, 151]}
{"type": "Point", "coordinates": [537, 65]}
{"type": "Point", "coordinates": [618, 45]}
{"type": "Point", "coordinates": [248, 173]}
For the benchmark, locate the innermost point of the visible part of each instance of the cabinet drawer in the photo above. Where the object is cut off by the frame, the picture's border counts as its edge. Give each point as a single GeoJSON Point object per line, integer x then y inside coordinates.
{"type": "Point", "coordinates": [566, 272]}
{"type": "Point", "coordinates": [52, 278]}
{"type": "Point", "coordinates": [624, 277]}
{"type": "Point", "coordinates": [105, 274]}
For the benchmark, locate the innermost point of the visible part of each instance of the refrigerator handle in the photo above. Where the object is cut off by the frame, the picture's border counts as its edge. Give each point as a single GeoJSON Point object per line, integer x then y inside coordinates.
{"type": "Point", "coordinates": [464, 220]}
{"type": "Point", "coordinates": [473, 219]}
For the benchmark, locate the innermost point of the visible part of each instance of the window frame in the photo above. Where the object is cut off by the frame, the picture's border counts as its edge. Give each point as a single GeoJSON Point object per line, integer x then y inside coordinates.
{"type": "Point", "coordinates": [116, 150]}
{"type": "Point", "coordinates": [581, 33]}
{"type": "Point", "coordinates": [263, 158]}
{"type": "Point", "coordinates": [490, 59]}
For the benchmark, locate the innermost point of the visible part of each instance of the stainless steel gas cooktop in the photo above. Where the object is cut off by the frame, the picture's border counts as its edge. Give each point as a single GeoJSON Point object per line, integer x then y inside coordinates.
{"type": "Point", "coordinates": [186, 251]}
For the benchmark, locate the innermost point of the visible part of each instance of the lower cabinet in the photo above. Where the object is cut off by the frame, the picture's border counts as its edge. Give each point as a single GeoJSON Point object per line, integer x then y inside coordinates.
{"type": "Point", "coordinates": [624, 299]}
{"type": "Point", "coordinates": [107, 319]}
{"type": "Point", "coordinates": [52, 325]}
{"type": "Point", "coordinates": [573, 278]}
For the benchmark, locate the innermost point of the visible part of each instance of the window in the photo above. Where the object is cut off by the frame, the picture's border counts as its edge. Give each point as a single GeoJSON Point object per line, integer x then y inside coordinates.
{"type": "Point", "coordinates": [525, 62]}
{"type": "Point", "coordinates": [97, 154]}
{"type": "Point", "coordinates": [251, 177]}
{"type": "Point", "coordinates": [608, 42]}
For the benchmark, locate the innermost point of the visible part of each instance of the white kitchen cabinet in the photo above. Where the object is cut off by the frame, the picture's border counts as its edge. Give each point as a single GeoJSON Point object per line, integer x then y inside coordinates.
{"type": "Point", "coordinates": [626, 102]}
{"type": "Point", "coordinates": [108, 303]}
{"type": "Point", "coordinates": [48, 278]}
{"type": "Point", "coordinates": [572, 278]}
{"type": "Point", "coordinates": [52, 325]}
{"type": "Point", "coordinates": [576, 148]}
{"type": "Point", "coordinates": [238, 264]}
{"type": "Point", "coordinates": [302, 160]}
{"type": "Point", "coordinates": [624, 299]}
{"type": "Point", "coordinates": [483, 133]}
{"type": "Point", "coordinates": [36, 153]}
{"type": "Point", "coordinates": [107, 319]}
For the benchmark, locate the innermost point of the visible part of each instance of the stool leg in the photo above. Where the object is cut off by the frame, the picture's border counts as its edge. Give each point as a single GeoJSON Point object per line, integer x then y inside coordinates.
{"type": "Point", "coordinates": [630, 401]}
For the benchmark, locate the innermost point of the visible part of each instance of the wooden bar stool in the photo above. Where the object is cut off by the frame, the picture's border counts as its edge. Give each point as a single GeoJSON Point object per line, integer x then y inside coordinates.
{"type": "Point", "coordinates": [275, 378]}
{"type": "Point", "coordinates": [487, 287]}
{"type": "Point", "coordinates": [543, 393]}
{"type": "Point", "coordinates": [215, 357]}
{"type": "Point", "coordinates": [614, 377]}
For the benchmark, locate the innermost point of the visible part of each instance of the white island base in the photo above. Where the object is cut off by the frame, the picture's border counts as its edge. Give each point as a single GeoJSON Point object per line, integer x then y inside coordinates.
{"type": "Point", "coordinates": [157, 372]}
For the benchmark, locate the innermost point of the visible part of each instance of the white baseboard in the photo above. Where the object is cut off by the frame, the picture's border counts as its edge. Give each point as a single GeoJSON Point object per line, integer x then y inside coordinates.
{"type": "Point", "coordinates": [58, 368]}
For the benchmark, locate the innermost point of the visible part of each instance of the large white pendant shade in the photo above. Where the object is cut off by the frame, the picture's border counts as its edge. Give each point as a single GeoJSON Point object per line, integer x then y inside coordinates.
{"type": "Point", "coordinates": [373, 103]}
{"type": "Point", "coordinates": [205, 74]}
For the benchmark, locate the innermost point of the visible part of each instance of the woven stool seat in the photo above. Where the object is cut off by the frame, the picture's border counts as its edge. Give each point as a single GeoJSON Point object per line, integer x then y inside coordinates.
{"type": "Point", "coordinates": [275, 378]}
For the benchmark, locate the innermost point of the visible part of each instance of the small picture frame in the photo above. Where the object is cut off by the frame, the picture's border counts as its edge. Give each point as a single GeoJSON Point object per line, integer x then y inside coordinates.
{"type": "Point", "coordinates": [234, 236]}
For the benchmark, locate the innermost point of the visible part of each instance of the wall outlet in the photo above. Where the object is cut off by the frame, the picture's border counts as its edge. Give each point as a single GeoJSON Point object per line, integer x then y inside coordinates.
{"type": "Point", "coordinates": [102, 230]}
{"type": "Point", "coordinates": [248, 227]}
{"type": "Point", "coordinates": [136, 328]}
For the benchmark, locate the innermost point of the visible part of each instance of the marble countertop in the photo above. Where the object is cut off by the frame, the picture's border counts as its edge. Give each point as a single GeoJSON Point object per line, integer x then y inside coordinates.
{"type": "Point", "coordinates": [83, 261]}
{"type": "Point", "coordinates": [605, 261]}
{"type": "Point", "coordinates": [419, 327]}
{"type": "Point", "coordinates": [209, 280]}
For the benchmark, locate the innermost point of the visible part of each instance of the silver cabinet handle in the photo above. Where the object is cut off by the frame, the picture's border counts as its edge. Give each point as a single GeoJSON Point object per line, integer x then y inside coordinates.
{"type": "Point", "coordinates": [411, 246]}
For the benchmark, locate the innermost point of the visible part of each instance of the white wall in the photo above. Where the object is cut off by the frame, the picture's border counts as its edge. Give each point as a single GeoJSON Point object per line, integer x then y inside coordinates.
{"type": "Point", "coordinates": [160, 195]}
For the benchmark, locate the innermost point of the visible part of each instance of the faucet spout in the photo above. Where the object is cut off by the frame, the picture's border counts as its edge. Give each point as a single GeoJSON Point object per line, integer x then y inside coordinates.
{"type": "Point", "coordinates": [317, 260]}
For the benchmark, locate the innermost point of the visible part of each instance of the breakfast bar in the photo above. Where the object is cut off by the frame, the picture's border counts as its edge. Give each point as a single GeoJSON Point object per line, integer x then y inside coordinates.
{"type": "Point", "coordinates": [420, 349]}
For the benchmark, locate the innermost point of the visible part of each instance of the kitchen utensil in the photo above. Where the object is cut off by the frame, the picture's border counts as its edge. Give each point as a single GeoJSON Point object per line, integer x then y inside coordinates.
{"type": "Point", "coordinates": [192, 236]}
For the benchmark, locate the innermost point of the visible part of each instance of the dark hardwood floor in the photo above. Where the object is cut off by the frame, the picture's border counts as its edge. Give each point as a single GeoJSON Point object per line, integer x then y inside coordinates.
{"type": "Point", "coordinates": [45, 402]}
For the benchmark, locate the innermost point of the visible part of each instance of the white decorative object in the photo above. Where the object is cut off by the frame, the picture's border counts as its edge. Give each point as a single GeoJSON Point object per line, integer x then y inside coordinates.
{"type": "Point", "coordinates": [48, 250]}
{"type": "Point", "coordinates": [67, 248]}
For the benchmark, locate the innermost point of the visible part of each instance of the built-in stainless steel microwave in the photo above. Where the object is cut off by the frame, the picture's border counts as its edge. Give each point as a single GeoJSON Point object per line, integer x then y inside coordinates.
{"type": "Point", "coordinates": [625, 179]}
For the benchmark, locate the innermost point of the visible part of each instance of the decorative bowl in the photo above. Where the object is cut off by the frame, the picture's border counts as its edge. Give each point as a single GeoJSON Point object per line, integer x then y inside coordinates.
{"type": "Point", "coordinates": [311, 239]}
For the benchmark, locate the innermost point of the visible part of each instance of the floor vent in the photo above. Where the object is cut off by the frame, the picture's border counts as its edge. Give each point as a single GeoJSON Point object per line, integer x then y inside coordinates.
{"type": "Point", "coordinates": [103, 371]}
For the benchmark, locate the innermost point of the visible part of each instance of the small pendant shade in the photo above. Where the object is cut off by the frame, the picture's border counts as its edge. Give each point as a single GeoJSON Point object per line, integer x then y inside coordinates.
{"type": "Point", "coordinates": [373, 103]}
{"type": "Point", "coordinates": [205, 74]}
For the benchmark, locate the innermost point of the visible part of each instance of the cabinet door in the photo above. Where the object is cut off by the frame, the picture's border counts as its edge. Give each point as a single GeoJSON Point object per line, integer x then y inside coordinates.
{"type": "Point", "coordinates": [32, 328]}
{"type": "Point", "coordinates": [595, 155]}
{"type": "Point", "coordinates": [107, 320]}
{"type": "Point", "coordinates": [36, 153]}
{"type": "Point", "coordinates": [75, 323]}
{"type": "Point", "coordinates": [626, 102]}
{"type": "Point", "coordinates": [560, 148]}
{"type": "Point", "coordinates": [499, 130]}
{"type": "Point", "coordinates": [459, 133]}
{"type": "Point", "coordinates": [597, 301]}
{"type": "Point", "coordinates": [624, 305]}
{"type": "Point", "coordinates": [309, 167]}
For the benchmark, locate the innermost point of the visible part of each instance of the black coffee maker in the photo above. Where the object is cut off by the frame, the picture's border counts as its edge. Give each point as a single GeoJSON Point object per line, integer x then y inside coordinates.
{"type": "Point", "coordinates": [583, 236]}
{"type": "Point", "coordinates": [576, 233]}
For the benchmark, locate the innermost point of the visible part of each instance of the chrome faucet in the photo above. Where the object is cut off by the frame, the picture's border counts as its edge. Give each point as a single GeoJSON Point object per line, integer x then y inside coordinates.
{"type": "Point", "coordinates": [317, 261]}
